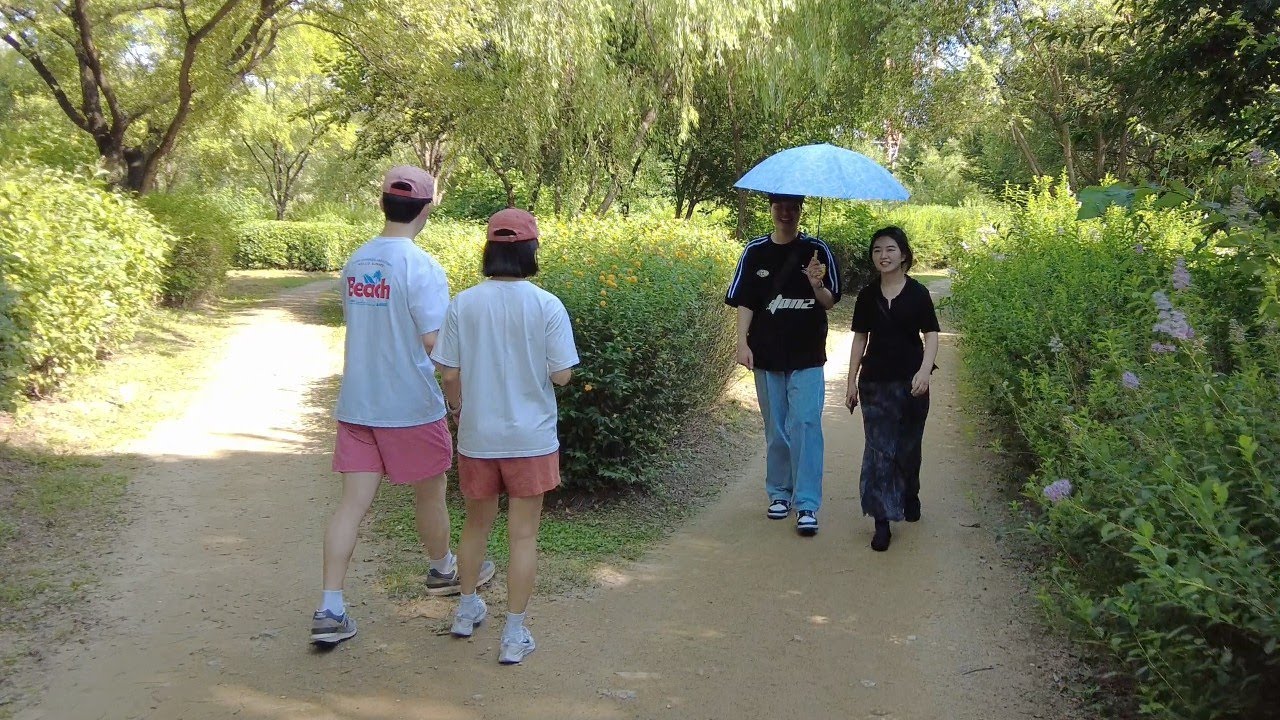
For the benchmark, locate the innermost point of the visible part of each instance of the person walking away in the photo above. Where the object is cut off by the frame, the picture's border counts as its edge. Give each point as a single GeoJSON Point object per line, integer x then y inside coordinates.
{"type": "Point", "coordinates": [784, 285]}
{"type": "Point", "coordinates": [504, 345]}
{"type": "Point", "coordinates": [391, 412]}
{"type": "Point", "coordinates": [895, 341]}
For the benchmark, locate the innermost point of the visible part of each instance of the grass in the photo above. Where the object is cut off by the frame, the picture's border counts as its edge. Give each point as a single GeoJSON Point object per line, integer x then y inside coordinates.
{"type": "Point", "coordinates": [580, 536]}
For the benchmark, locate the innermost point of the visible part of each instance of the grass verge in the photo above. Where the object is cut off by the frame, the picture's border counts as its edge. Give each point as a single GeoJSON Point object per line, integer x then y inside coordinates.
{"type": "Point", "coordinates": [64, 465]}
{"type": "Point", "coordinates": [583, 537]}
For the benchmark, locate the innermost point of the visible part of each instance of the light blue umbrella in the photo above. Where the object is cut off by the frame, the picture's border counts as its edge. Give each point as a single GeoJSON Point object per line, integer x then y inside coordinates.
{"type": "Point", "coordinates": [823, 171]}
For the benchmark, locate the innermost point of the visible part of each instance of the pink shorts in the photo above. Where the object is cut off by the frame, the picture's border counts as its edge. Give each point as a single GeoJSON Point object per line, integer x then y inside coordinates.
{"type": "Point", "coordinates": [483, 478]}
{"type": "Point", "coordinates": [406, 455]}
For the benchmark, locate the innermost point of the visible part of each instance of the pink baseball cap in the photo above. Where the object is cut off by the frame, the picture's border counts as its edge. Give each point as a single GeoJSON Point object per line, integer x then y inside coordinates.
{"type": "Point", "coordinates": [409, 181]}
{"type": "Point", "coordinates": [512, 225]}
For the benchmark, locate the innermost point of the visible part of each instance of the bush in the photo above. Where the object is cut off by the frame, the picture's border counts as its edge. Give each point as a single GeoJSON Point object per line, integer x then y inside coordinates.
{"type": "Point", "coordinates": [656, 341]}
{"type": "Point", "coordinates": [940, 234]}
{"type": "Point", "coordinates": [205, 233]}
{"type": "Point", "coordinates": [846, 228]}
{"type": "Point", "coordinates": [80, 266]}
{"type": "Point", "coordinates": [1154, 440]}
{"type": "Point", "coordinates": [308, 246]}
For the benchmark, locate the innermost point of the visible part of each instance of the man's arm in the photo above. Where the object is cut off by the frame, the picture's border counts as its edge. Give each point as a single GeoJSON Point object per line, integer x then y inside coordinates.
{"type": "Point", "coordinates": [745, 357]}
{"type": "Point", "coordinates": [429, 341]}
{"type": "Point", "coordinates": [561, 377]}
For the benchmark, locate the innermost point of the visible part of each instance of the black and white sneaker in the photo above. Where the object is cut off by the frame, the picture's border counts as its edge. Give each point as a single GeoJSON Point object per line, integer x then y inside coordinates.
{"type": "Point", "coordinates": [807, 522]}
{"type": "Point", "coordinates": [778, 509]}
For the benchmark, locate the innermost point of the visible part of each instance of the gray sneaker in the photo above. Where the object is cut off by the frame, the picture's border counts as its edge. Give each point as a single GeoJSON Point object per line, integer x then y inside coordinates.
{"type": "Point", "coordinates": [516, 649]}
{"type": "Point", "coordinates": [439, 583]}
{"type": "Point", "coordinates": [330, 629]}
{"type": "Point", "coordinates": [467, 619]}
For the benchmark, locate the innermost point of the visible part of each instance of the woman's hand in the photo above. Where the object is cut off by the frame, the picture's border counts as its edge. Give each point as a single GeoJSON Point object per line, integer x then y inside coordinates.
{"type": "Point", "coordinates": [851, 396]}
{"type": "Point", "coordinates": [920, 383]}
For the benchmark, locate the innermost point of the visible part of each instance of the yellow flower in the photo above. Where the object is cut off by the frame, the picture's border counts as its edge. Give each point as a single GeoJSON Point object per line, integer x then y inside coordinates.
{"type": "Point", "coordinates": [632, 279]}
{"type": "Point", "coordinates": [603, 303]}
{"type": "Point", "coordinates": [586, 388]}
{"type": "Point", "coordinates": [604, 293]}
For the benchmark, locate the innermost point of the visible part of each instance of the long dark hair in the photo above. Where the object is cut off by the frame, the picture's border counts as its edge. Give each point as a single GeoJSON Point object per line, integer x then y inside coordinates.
{"type": "Point", "coordinates": [510, 259]}
{"type": "Point", "coordinates": [899, 236]}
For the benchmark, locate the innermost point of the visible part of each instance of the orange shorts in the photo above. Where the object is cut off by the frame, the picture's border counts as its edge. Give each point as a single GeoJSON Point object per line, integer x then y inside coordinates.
{"type": "Point", "coordinates": [405, 455]}
{"type": "Point", "coordinates": [484, 478]}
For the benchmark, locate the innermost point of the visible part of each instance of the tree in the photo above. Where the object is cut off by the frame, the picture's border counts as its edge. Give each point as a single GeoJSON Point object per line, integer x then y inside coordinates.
{"type": "Point", "coordinates": [287, 116]}
{"type": "Point", "coordinates": [130, 73]}
{"type": "Point", "coordinates": [1213, 63]}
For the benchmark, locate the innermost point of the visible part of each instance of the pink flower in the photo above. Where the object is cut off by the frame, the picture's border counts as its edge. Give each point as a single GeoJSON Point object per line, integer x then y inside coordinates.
{"type": "Point", "coordinates": [1130, 380]}
{"type": "Point", "coordinates": [1058, 490]}
{"type": "Point", "coordinates": [1139, 248]}
{"type": "Point", "coordinates": [1159, 347]}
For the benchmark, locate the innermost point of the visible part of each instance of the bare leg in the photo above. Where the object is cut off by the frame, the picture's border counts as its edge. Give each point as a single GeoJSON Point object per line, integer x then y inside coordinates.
{"type": "Point", "coordinates": [358, 491]}
{"type": "Point", "coordinates": [432, 516]}
{"type": "Point", "coordinates": [523, 517]}
{"type": "Point", "coordinates": [475, 540]}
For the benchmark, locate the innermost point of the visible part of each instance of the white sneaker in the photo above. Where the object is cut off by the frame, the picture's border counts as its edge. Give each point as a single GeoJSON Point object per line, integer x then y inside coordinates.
{"type": "Point", "coordinates": [468, 617]}
{"type": "Point", "coordinates": [515, 649]}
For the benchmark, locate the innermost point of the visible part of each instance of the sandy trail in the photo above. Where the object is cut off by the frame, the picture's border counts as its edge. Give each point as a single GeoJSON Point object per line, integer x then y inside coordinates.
{"type": "Point", "coordinates": [208, 594]}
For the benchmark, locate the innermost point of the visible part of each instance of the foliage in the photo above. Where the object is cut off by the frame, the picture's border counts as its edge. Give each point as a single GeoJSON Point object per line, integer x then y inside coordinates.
{"type": "Point", "coordinates": [80, 266]}
{"type": "Point", "coordinates": [1147, 404]}
{"type": "Point", "coordinates": [645, 296]}
{"type": "Point", "coordinates": [1215, 63]}
{"type": "Point", "coordinates": [941, 234]}
{"type": "Point", "coordinates": [204, 244]}
{"type": "Point", "coordinates": [288, 245]}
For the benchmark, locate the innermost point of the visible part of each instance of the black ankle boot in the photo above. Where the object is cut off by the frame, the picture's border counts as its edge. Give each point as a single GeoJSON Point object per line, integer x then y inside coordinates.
{"type": "Point", "coordinates": [880, 541]}
{"type": "Point", "coordinates": [911, 508]}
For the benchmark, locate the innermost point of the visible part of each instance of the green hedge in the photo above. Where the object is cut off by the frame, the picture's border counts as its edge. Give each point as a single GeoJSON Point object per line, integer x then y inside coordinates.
{"type": "Point", "coordinates": [941, 234]}
{"type": "Point", "coordinates": [1145, 388]}
{"type": "Point", "coordinates": [656, 340]}
{"type": "Point", "coordinates": [266, 244]}
{"type": "Point", "coordinates": [80, 265]}
{"type": "Point", "coordinates": [205, 233]}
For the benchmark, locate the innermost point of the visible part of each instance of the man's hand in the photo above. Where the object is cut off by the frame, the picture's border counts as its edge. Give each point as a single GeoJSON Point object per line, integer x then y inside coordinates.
{"type": "Point", "coordinates": [920, 383]}
{"type": "Point", "coordinates": [851, 396]}
{"type": "Point", "coordinates": [745, 357]}
{"type": "Point", "coordinates": [815, 271]}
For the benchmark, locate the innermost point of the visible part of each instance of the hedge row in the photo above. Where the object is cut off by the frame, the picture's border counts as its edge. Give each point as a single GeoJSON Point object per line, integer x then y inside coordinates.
{"type": "Point", "coordinates": [655, 338]}
{"type": "Point", "coordinates": [1144, 385]}
{"type": "Point", "coordinates": [266, 244]}
{"type": "Point", "coordinates": [80, 265]}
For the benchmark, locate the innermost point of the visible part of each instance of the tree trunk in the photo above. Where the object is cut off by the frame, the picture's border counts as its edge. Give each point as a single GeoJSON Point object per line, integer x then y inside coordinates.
{"type": "Point", "coordinates": [1025, 148]}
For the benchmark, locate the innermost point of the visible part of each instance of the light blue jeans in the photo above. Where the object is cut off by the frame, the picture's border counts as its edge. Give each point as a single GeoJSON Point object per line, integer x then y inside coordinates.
{"type": "Point", "coordinates": [791, 404]}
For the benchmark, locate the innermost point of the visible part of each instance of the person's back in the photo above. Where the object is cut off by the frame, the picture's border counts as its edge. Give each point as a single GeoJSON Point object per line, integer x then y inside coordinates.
{"type": "Point", "coordinates": [391, 412]}
{"type": "Point", "coordinates": [504, 343]}
{"type": "Point", "coordinates": [503, 330]}
{"type": "Point", "coordinates": [393, 293]}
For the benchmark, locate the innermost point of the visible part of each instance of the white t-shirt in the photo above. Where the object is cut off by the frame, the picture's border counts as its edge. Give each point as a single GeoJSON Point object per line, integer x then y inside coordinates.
{"type": "Point", "coordinates": [506, 337]}
{"type": "Point", "coordinates": [393, 294]}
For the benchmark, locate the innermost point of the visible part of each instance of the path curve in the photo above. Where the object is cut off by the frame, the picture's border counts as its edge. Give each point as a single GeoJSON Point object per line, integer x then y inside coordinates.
{"type": "Point", "coordinates": [207, 598]}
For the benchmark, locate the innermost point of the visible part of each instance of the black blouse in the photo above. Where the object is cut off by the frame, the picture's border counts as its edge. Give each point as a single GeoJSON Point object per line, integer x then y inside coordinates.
{"type": "Point", "coordinates": [895, 349]}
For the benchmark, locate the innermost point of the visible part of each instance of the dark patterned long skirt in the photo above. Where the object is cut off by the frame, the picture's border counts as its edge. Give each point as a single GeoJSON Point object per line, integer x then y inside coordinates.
{"type": "Point", "coordinates": [894, 424]}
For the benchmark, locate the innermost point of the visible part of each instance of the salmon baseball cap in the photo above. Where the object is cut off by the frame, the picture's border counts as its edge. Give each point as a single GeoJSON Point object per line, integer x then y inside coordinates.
{"type": "Point", "coordinates": [512, 225]}
{"type": "Point", "coordinates": [409, 182]}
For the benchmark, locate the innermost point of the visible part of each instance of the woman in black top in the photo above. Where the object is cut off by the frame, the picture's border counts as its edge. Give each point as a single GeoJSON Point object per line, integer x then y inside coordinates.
{"type": "Point", "coordinates": [889, 371]}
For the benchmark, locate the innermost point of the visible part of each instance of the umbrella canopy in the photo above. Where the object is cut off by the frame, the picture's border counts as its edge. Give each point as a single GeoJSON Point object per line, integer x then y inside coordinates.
{"type": "Point", "coordinates": [824, 171]}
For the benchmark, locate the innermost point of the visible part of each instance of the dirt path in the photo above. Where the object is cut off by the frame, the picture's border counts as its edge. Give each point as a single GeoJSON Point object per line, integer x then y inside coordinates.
{"type": "Point", "coordinates": [207, 602]}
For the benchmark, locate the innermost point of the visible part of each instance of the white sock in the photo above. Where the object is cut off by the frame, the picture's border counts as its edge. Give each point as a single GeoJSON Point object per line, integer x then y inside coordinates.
{"type": "Point", "coordinates": [332, 602]}
{"type": "Point", "coordinates": [445, 564]}
{"type": "Point", "coordinates": [467, 601]}
{"type": "Point", "coordinates": [515, 621]}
